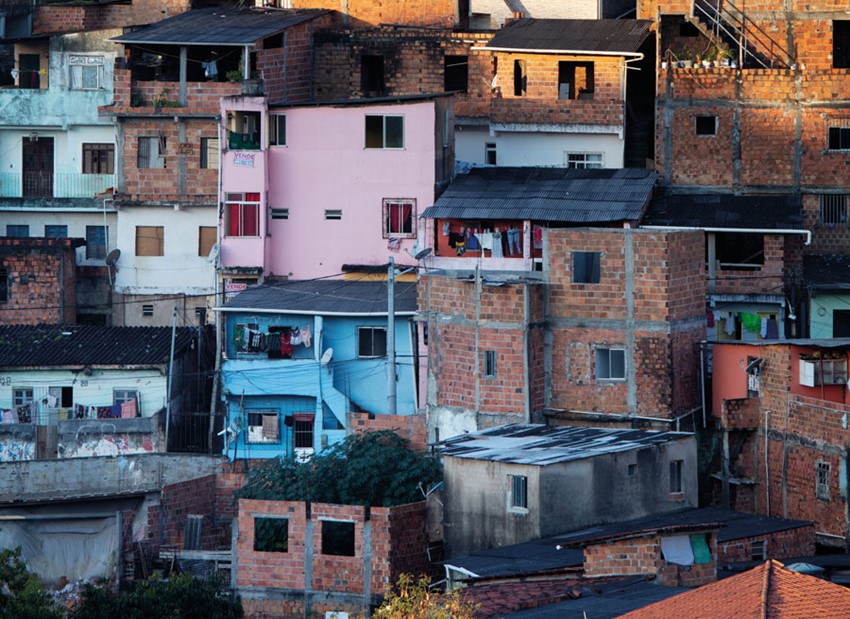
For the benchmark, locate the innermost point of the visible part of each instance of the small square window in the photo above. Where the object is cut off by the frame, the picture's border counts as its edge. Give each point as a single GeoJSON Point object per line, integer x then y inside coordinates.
{"type": "Point", "coordinates": [838, 138]}
{"type": "Point", "coordinates": [833, 210]}
{"type": "Point", "coordinates": [209, 153]}
{"type": "Point", "coordinates": [120, 396]}
{"type": "Point", "coordinates": [277, 129]}
{"type": "Point", "coordinates": [271, 534]}
{"type": "Point", "coordinates": [822, 473]}
{"type": "Point", "coordinates": [151, 152]}
{"type": "Point", "coordinates": [706, 125]}
{"type": "Point", "coordinates": [489, 364]}
{"type": "Point", "coordinates": [372, 342]}
{"type": "Point", "coordinates": [263, 427]}
{"type": "Point", "coordinates": [147, 310]}
{"type": "Point", "coordinates": [575, 80]}
{"type": "Point", "coordinates": [586, 267]}
{"type": "Point", "coordinates": [610, 364]}
{"type": "Point", "coordinates": [632, 470]}
{"type": "Point", "coordinates": [676, 479]}
{"type": "Point", "coordinates": [399, 216]}
{"type": "Point", "coordinates": [337, 538]}
{"type": "Point", "coordinates": [21, 396]}
{"type": "Point", "coordinates": [150, 241]}
{"type": "Point", "coordinates": [518, 497]}
{"type": "Point", "coordinates": [86, 72]}
{"type": "Point", "coordinates": [98, 158]}
{"type": "Point", "coordinates": [384, 131]}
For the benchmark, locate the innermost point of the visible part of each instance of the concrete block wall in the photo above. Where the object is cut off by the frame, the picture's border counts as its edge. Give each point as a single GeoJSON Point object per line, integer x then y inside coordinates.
{"type": "Point", "coordinates": [797, 542]}
{"type": "Point", "coordinates": [41, 280]}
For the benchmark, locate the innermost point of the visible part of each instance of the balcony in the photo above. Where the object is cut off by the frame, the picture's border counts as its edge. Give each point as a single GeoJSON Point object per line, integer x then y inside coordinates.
{"type": "Point", "coordinates": [43, 184]}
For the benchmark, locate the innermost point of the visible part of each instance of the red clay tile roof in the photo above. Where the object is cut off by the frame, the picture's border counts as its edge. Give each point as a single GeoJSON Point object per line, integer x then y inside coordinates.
{"type": "Point", "coordinates": [766, 592]}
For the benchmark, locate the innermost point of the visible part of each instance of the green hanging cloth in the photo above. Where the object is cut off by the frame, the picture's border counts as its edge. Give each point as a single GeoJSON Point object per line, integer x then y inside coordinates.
{"type": "Point", "coordinates": [751, 322]}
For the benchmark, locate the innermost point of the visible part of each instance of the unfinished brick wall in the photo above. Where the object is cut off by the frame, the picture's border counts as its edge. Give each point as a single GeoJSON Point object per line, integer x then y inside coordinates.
{"type": "Point", "coordinates": [48, 19]}
{"type": "Point", "coordinates": [368, 13]}
{"type": "Point", "coordinates": [741, 414]}
{"type": "Point", "coordinates": [167, 521]}
{"type": "Point", "coordinates": [41, 280]}
{"type": "Point", "coordinates": [643, 556]}
{"type": "Point", "coordinates": [796, 542]}
{"type": "Point", "coordinates": [271, 569]}
{"type": "Point", "coordinates": [411, 427]}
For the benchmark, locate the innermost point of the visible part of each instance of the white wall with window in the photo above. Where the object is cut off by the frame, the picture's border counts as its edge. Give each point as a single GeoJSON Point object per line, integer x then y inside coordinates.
{"type": "Point", "coordinates": [43, 222]}
{"type": "Point", "coordinates": [539, 148]}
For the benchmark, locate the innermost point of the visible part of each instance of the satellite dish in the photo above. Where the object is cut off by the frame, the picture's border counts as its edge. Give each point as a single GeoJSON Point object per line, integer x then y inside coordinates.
{"type": "Point", "coordinates": [213, 253]}
{"type": "Point", "coordinates": [327, 356]}
{"type": "Point", "coordinates": [112, 257]}
{"type": "Point", "coordinates": [422, 253]}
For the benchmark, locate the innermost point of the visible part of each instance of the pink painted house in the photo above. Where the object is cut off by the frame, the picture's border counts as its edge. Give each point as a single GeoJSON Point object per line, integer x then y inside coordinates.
{"type": "Point", "coordinates": [322, 190]}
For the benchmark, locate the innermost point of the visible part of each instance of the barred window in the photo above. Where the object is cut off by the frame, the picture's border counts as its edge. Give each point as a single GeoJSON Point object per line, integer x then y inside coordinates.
{"type": "Point", "coordinates": [833, 209]}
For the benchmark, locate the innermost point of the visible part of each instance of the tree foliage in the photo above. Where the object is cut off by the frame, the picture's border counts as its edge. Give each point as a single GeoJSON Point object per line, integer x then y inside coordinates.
{"type": "Point", "coordinates": [413, 599]}
{"type": "Point", "coordinates": [180, 597]}
{"type": "Point", "coordinates": [22, 596]}
{"type": "Point", "coordinates": [371, 468]}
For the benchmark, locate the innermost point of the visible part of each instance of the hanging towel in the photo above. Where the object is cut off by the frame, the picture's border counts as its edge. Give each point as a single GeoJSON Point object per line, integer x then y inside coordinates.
{"type": "Point", "coordinates": [729, 328]}
{"type": "Point", "coordinates": [751, 322]}
{"type": "Point", "coordinates": [286, 343]}
{"type": "Point", "coordinates": [677, 549]}
{"type": "Point", "coordinates": [763, 330]}
{"type": "Point", "coordinates": [128, 409]}
{"type": "Point", "coordinates": [485, 240]}
{"type": "Point", "coordinates": [446, 228]}
{"type": "Point", "coordinates": [306, 336]}
{"type": "Point", "coordinates": [473, 244]}
{"type": "Point", "coordinates": [537, 237]}
{"type": "Point", "coordinates": [699, 545]}
{"type": "Point", "coordinates": [296, 336]}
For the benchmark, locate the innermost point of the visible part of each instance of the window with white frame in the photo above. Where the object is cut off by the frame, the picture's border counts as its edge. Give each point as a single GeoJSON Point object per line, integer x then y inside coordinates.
{"type": "Point", "coordinates": [21, 396]}
{"type": "Point", "coordinates": [85, 72]}
{"type": "Point", "coordinates": [263, 427]}
{"type": "Point", "coordinates": [119, 396]}
{"type": "Point", "coordinates": [384, 131]}
{"type": "Point", "coordinates": [277, 129]}
{"type": "Point", "coordinates": [371, 342]}
{"type": "Point", "coordinates": [242, 213]}
{"type": "Point", "coordinates": [399, 216]}
{"type": "Point", "coordinates": [822, 474]}
{"type": "Point", "coordinates": [833, 210]}
{"type": "Point", "coordinates": [490, 153]}
{"type": "Point", "coordinates": [610, 364]}
{"type": "Point", "coordinates": [584, 160]}
{"type": "Point", "coordinates": [517, 492]}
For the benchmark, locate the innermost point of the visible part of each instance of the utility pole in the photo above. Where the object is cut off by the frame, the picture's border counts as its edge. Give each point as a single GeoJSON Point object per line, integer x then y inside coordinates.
{"type": "Point", "coordinates": [391, 381]}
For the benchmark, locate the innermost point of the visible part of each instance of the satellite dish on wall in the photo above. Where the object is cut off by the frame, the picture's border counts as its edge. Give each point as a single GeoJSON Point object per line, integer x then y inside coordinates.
{"type": "Point", "coordinates": [213, 253]}
{"type": "Point", "coordinates": [112, 257]}
{"type": "Point", "coordinates": [423, 253]}
{"type": "Point", "coordinates": [327, 356]}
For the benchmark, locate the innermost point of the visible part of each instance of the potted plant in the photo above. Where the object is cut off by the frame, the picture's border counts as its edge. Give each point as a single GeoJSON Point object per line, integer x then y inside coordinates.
{"type": "Point", "coordinates": [234, 76]}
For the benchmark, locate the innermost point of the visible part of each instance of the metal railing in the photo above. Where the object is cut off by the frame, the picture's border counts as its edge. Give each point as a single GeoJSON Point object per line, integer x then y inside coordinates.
{"type": "Point", "coordinates": [755, 45]}
{"type": "Point", "coordinates": [44, 184]}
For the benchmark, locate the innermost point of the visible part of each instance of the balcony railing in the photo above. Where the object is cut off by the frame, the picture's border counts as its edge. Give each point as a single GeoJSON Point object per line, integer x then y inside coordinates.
{"type": "Point", "coordinates": [43, 184]}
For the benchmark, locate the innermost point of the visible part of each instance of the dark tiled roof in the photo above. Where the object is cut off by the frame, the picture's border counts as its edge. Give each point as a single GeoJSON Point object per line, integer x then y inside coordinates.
{"type": "Point", "coordinates": [546, 194]}
{"type": "Point", "coordinates": [767, 592]}
{"type": "Point", "coordinates": [326, 297]}
{"type": "Point", "coordinates": [81, 345]}
{"type": "Point", "coordinates": [772, 212]}
{"type": "Point", "coordinates": [584, 35]}
{"type": "Point", "coordinates": [832, 272]}
{"type": "Point", "coordinates": [526, 558]}
{"type": "Point", "coordinates": [541, 445]}
{"type": "Point", "coordinates": [219, 26]}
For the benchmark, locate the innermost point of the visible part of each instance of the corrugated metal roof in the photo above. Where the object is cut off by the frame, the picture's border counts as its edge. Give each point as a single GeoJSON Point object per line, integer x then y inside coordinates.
{"type": "Point", "coordinates": [589, 35]}
{"type": "Point", "coordinates": [220, 26]}
{"type": "Point", "coordinates": [541, 445]}
{"type": "Point", "coordinates": [546, 194]}
{"type": "Point", "coordinates": [827, 272]}
{"type": "Point", "coordinates": [326, 297]}
{"type": "Point", "coordinates": [81, 345]}
{"type": "Point", "coordinates": [716, 210]}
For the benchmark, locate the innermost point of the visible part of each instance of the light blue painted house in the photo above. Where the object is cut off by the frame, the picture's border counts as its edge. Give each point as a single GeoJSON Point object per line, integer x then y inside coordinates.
{"type": "Point", "coordinates": [301, 354]}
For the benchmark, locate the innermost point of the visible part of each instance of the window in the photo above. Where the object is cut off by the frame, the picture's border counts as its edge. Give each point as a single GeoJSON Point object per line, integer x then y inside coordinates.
{"type": "Point", "coordinates": [147, 310]}
{"type": "Point", "coordinates": [739, 250]}
{"type": "Point", "coordinates": [490, 153]}
{"type": "Point", "coordinates": [586, 267]}
{"type": "Point", "coordinates": [209, 153]}
{"type": "Point", "coordinates": [489, 364]}
{"type": "Point", "coordinates": [151, 152]}
{"type": "Point", "coordinates": [822, 480]}
{"type": "Point", "coordinates": [56, 232]}
{"type": "Point", "coordinates": [833, 210]}
{"type": "Point", "coordinates": [207, 236]}
{"type": "Point", "coordinates": [303, 430]}
{"type": "Point", "coordinates": [277, 129]}
{"type": "Point", "coordinates": [584, 160]}
{"type": "Point", "coordinates": [372, 75]}
{"type": "Point", "coordinates": [610, 364]}
{"type": "Point", "coordinates": [372, 342]}
{"type": "Point", "coordinates": [520, 78]}
{"type": "Point", "coordinates": [455, 73]}
{"type": "Point", "coordinates": [86, 72]}
{"type": "Point", "coordinates": [60, 397]}
{"type": "Point", "coordinates": [399, 216]}
{"type": "Point", "coordinates": [334, 214]}
{"type": "Point", "coordinates": [263, 427]}
{"type": "Point", "coordinates": [337, 538]}
{"type": "Point", "coordinates": [841, 44]}
{"type": "Point", "coordinates": [121, 396]}
{"type": "Point", "coordinates": [150, 241]}
{"type": "Point", "coordinates": [271, 534]}
{"type": "Point", "coordinates": [838, 138]}
{"type": "Point", "coordinates": [518, 492]}
{"type": "Point", "coordinates": [280, 213]}
{"type": "Point", "coordinates": [4, 285]}
{"type": "Point", "coordinates": [201, 315]}
{"type": "Point", "coordinates": [840, 323]}
{"type": "Point", "coordinates": [575, 80]}
{"type": "Point", "coordinates": [19, 231]}
{"type": "Point", "coordinates": [706, 125]}
{"type": "Point", "coordinates": [384, 131]}
{"type": "Point", "coordinates": [95, 242]}
{"type": "Point", "coordinates": [21, 396]}
{"type": "Point", "coordinates": [29, 66]}
{"type": "Point", "coordinates": [676, 480]}
{"type": "Point", "coordinates": [758, 550]}
{"type": "Point", "coordinates": [243, 214]}
{"type": "Point", "coordinates": [243, 130]}
{"type": "Point", "coordinates": [632, 470]}
{"type": "Point", "coordinates": [98, 158]}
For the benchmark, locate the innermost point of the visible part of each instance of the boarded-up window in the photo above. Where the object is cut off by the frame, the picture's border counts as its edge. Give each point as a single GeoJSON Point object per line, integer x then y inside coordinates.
{"type": "Point", "coordinates": [206, 240]}
{"type": "Point", "coordinates": [150, 241]}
